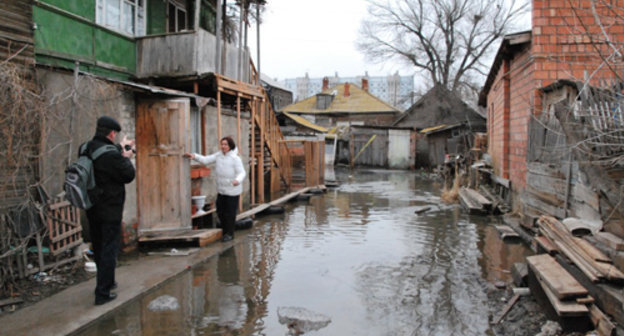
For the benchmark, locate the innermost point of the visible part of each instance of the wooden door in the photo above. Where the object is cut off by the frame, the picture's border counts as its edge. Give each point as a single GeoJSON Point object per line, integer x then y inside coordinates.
{"type": "Point", "coordinates": [163, 175]}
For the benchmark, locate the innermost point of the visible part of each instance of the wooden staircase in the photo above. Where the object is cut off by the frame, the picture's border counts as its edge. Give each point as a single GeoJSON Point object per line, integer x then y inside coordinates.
{"type": "Point", "coordinates": [270, 161]}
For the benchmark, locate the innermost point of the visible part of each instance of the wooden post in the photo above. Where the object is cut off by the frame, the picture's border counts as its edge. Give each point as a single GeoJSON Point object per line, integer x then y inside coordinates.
{"type": "Point", "coordinates": [218, 114]}
{"type": "Point", "coordinates": [238, 120]}
{"type": "Point", "coordinates": [252, 151]}
{"type": "Point", "coordinates": [260, 163]}
{"type": "Point", "coordinates": [352, 150]}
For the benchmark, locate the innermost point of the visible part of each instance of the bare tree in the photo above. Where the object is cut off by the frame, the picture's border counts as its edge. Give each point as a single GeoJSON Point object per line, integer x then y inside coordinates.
{"type": "Point", "coordinates": [447, 40]}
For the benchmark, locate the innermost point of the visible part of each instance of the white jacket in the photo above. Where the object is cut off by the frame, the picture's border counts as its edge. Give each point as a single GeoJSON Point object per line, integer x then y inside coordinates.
{"type": "Point", "coordinates": [229, 167]}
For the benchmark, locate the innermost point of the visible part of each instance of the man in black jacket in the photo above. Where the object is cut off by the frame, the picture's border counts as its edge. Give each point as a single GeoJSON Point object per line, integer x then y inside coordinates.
{"type": "Point", "coordinates": [112, 170]}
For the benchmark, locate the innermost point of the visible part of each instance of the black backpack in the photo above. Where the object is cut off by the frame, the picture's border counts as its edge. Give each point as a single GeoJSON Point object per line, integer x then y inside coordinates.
{"type": "Point", "coordinates": [79, 176]}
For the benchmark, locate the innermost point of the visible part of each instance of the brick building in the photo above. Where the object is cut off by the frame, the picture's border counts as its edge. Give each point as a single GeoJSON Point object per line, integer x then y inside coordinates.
{"type": "Point", "coordinates": [567, 41]}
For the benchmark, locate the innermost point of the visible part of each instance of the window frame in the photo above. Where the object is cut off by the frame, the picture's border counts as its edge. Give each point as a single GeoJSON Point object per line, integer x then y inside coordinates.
{"type": "Point", "coordinates": [139, 16]}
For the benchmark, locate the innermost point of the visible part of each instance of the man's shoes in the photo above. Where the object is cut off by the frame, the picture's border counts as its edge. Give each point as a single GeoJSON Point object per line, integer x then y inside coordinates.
{"type": "Point", "coordinates": [100, 300]}
{"type": "Point", "coordinates": [226, 238]}
{"type": "Point", "coordinates": [114, 286]}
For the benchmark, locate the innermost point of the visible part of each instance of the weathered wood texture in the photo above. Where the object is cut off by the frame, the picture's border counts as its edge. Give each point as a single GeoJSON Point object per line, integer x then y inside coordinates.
{"type": "Point", "coordinates": [555, 277]}
{"type": "Point", "coordinates": [16, 35]}
{"type": "Point", "coordinates": [592, 262]}
{"type": "Point", "coordinates": [196, 238]}
{"type": "Point", "coordinates": [64, 229]}
{"type": "Point", "coordinates": [187, 53]}
{"type": "Point", "coordinates": [549, 192]}
{"type": "Point", "coordinates": [163, 175]}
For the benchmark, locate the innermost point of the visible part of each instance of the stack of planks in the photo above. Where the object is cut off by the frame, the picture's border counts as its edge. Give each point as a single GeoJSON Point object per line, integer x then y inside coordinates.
{"type": "Point", "coordinates": [591, 261]}
{"type": "Point", "coordinates": [567, 296]}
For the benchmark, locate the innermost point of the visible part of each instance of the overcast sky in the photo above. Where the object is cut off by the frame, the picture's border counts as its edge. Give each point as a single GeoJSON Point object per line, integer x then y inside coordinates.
{"type": "Point", "coordinates": [317, 37]}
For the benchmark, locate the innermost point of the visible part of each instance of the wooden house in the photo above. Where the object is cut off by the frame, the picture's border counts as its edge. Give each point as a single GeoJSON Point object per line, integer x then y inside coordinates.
{"type": "Point", "coordinates": [355, 124]}
{"type": "Point", "coordinates": [165, 70]}
{"type": "Point", "coordinates": [343, 104]}
{"type": "Point", "coordinates": [446, 125]}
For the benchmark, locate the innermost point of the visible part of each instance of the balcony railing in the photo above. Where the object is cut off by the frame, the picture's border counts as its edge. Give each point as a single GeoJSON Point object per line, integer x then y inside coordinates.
{"type": "Point", "coordinates": [189, 53]}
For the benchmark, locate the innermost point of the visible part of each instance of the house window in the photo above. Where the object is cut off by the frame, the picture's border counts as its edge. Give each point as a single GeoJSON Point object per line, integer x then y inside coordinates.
{"type": "Point", "coordinates": [177, 16]}
{"type": "Point", "coordinates": [125, 16]}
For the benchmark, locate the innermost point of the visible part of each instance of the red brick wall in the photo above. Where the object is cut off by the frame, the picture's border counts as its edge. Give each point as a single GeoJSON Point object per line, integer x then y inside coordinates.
{"type": "Point", "coordinates": [521, 101]}
{"type": "Point", "coordinates": [497, 118]}
{"type": "Point", "coordinates": [567, 41]}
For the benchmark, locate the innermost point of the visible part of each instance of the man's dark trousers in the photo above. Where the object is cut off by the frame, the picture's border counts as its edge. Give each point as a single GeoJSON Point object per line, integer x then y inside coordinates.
{"type": "Point", "coordinates": [227, 207]}
{"type": "Point", "coordinates": [105, 238]}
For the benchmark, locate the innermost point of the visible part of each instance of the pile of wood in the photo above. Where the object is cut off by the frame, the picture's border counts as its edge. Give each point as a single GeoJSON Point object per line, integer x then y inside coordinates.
{"type": "Point", "coordinates": [566, 295]}
{"type": "Point", "coordinates": [592, 262]}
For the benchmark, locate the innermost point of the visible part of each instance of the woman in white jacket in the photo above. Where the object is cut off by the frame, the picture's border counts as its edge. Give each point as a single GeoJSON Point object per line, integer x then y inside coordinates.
{"type": "Point", "coordinates": [230, 174]}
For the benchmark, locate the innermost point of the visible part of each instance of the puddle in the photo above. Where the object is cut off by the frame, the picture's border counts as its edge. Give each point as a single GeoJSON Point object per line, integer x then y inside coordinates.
{"type": "Point", "coordinates": [357, 255]}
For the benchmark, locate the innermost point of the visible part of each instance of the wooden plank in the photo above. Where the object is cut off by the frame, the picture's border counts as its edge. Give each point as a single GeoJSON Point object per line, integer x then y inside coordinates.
{"type": "Point", "coordinates": [610, 240]}
{"type": "Point", "coordinates": [469, 203]}
{"type": "Point", "coordinates": [506, 232]}
{"type": "Point", "coordinates": [555, 277]}
{"type": "Point", "coordinates": [591, 250]}
{"type": "Point", "coordinates": [602, 323]}
{"type": "Point", "coordinates": [578, 261]}
{"type": "Point", "coordinates": [58, 205]}
{"type": "Point", "coordinates": [195, 237]}
{"type": "Point", "coordinates": [507, 308]}
{"type": "Point", "coordinates": [475, 195]}
{"type": "Point", "coordinates": [265, 206]}
{"type": "Point", "coordinates": [563, 308]}
{"type": "Point", "coordinates": [65, 247]}
{"type": "Point", "coordinates": [585, 300]}
{"type": "Point", "coordinates": [546, 244]}
{"type": "Point", "coordinates": [583, 259]}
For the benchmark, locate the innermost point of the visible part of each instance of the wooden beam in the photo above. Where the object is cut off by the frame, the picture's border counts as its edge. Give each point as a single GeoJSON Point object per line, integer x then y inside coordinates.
{"type": "Point", "coordinates": [218, 115]}
{"type": "Point", "coordinates": [260, 165]}
{"type": "Point", "coordinates": [226, 84]}
{"type": "Point", "coordinates": [238, 120]}
{"type": "Point", "coordinates": [252, 155]}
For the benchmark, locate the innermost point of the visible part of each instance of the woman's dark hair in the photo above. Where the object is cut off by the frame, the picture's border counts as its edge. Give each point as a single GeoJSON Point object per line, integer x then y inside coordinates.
{"type": "Point", "coordinates": [230, 142]}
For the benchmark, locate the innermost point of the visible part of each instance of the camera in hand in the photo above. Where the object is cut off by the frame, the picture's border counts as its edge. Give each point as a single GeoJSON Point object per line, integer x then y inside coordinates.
{"type": "Point", "coordinates": [128, 147]}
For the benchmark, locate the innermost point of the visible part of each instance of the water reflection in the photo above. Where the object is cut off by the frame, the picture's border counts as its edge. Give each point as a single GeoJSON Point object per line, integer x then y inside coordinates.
{"type": "Point", "coordinates": [357, 254]}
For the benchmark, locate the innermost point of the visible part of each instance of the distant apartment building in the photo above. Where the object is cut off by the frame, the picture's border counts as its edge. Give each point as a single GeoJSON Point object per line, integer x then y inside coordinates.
{"type": "Point", "coordinates": [395, 90]}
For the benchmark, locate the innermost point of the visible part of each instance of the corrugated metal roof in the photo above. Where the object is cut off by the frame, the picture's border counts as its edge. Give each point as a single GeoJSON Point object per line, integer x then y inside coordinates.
{"type": "Point", "coordinates": [304, 122]}
{"type": "Point", "coordinates": [358, 101]}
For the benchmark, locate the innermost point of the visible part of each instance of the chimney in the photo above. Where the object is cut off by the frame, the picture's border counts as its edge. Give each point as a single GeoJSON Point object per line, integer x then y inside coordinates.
{"type": "Point", "coordinates": [365, 84]}
{"type": "Point", "coordinates": [325, 83]}
{"type": "Point", "coordinates": [346, 90]}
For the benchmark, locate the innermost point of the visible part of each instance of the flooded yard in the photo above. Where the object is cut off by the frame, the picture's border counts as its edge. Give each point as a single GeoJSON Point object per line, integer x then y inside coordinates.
{"type": "Point", "coordinates": [356, 260]}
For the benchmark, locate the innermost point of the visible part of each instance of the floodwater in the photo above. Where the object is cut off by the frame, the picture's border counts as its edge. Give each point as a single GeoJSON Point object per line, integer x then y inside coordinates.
{"type": "Point", "coordinates": [357, 257]}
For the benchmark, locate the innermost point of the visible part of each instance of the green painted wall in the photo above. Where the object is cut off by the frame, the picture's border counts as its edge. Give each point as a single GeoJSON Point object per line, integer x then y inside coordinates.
{"type": "Point", "coordinates": [61, 39]}
{"type": "Point", "coordinates": [156, 17]}
{"type": "Point", "coordinates": [84, 8]}
{"type": "Point", "coordinates": [57, 33]}
{"type": "Point", "coordinates": [116, 50]}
